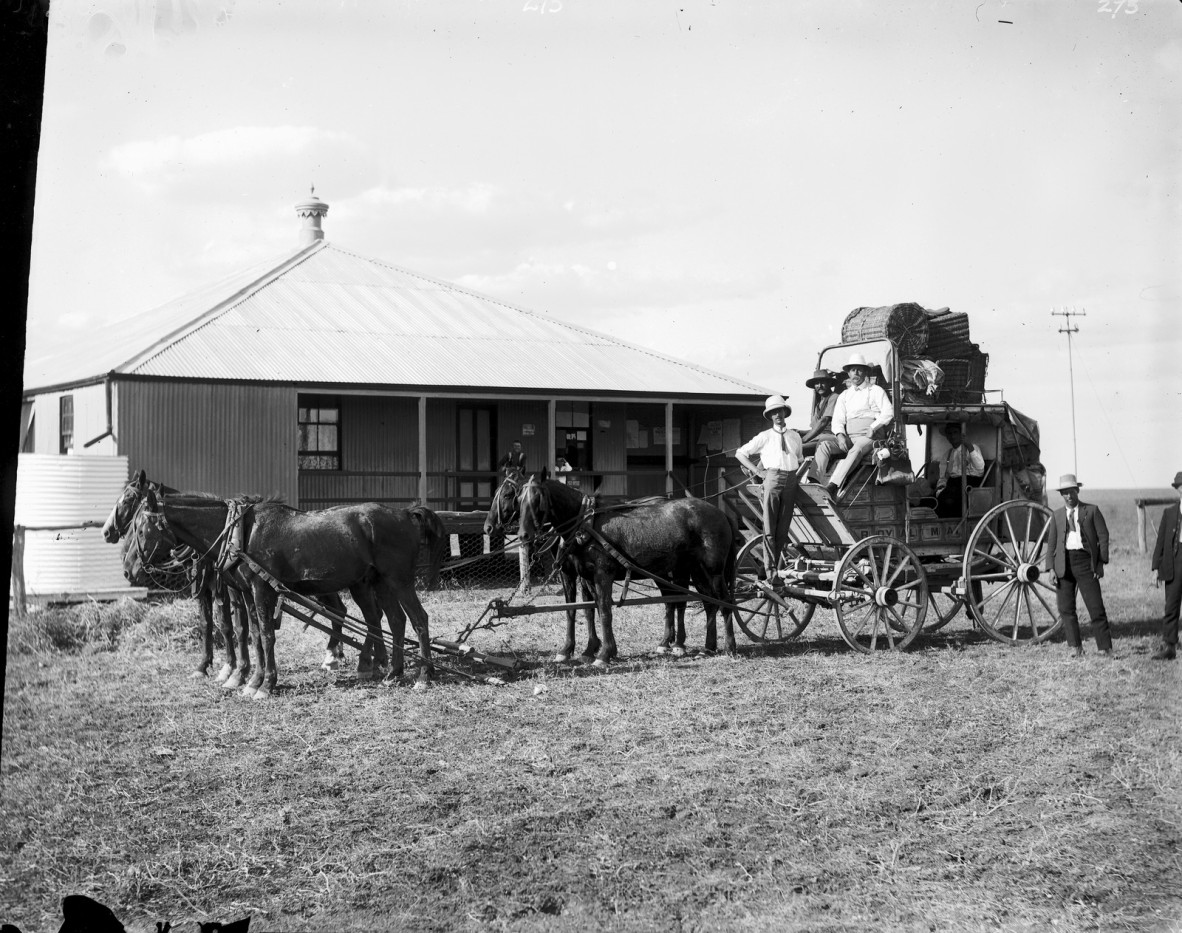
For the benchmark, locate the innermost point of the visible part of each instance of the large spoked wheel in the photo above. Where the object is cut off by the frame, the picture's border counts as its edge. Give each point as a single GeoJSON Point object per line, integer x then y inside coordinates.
{"type": "Point", "coordinates": [1011, 596]}
{"type": "Point", "coordinates": [765, 615]}
{"type": "Point", "coordinates": [881, 595]}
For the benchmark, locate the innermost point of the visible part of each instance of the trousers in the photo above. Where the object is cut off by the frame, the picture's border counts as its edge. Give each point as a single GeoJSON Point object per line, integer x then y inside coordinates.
{"type": "Point", "coordinates": [1078, 576]}
{"type": "Point", "coordinates": [1169, 619]}
{"type": "Point", "coordinates": [858, 430]}
{"type": "Point", "coordinates": [779, 501]}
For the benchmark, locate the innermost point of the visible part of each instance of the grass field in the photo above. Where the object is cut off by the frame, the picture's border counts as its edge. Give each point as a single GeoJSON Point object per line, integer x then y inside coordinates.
{"type": "Point", "coordinates": [959, 786]}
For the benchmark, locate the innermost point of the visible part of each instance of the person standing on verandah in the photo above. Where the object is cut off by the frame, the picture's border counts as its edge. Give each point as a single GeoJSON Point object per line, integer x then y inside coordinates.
{"type": "Point", "coordinates": [780, 461]}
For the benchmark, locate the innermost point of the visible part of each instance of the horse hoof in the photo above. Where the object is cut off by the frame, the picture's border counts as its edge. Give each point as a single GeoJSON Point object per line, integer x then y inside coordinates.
{"type": "Point", "coordinates": [663, 649]}
{"type": "Point", "coordinates": [262, 693]}
{"type": "Point", "coordinates": [331, 665]}
{"type": "Point", "coordinates": [679, 652]}
{"type": "Point", "coordinates": [248, 690]}
{"type": "Point", "coordinates": [224, 674]}
{"type": "Point", "coordinates": [561, 658]}
{"type": "Point", "coordinates": [197, 675]}
{"type": "Point", "coordinates": [599, 663]}
{"type": "Point", "coordinates": [421, 686]}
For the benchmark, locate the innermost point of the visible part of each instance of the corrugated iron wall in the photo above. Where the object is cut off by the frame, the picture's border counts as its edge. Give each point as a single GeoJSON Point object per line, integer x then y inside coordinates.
{"type": "Point", "coordinates": [379, 436]}
{"type": "Point", "coordinates": [215, 437]}
{"type": "Point", "coordinates": [90, 420]}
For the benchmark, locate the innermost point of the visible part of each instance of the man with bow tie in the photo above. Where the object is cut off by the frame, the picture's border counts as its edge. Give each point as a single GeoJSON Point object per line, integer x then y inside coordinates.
{"type": "Point", "coordinates": [1167, 563]}
{"type": "Point", "coordinates": [1076, 554]}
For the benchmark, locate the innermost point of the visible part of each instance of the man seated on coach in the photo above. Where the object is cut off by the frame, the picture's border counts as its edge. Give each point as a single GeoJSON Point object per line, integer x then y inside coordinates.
{"type": "Point", "coordinates": [861, 416]}
{"type": "Point", "coordinates": [964, 465]}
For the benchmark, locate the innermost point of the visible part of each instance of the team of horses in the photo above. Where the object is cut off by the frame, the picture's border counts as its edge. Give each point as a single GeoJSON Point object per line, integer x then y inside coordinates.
{"type": "Point", "coordinates": [234, 550]}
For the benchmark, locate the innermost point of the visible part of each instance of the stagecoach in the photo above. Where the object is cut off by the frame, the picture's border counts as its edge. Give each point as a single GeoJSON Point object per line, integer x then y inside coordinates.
{"type": "Point", "coordinates": [888, 564]}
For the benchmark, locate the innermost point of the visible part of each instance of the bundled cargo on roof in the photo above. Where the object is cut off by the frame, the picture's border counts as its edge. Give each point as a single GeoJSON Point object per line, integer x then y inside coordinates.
{"type": "Point", "coordinates": [905, 325]}
{"type": "Point", "coordinates": [948, 335]}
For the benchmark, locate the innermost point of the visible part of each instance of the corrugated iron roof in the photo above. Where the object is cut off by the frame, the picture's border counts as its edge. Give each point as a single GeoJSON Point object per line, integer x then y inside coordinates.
{"type": "Point", "coordinates": [325, 315]}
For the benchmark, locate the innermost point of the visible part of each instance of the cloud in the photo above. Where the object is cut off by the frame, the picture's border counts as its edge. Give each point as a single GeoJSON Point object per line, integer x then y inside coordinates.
{"type": "Point", "coordinates": [171, 160]}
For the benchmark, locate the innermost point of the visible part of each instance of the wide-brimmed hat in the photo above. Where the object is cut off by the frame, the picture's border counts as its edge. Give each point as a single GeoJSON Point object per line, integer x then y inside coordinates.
{"type": "Point", "coordinates": [950, 425]}
{"type": "Point", "coordinates": [822, 376]}
{"type": "Point", "coordinates": [857, 360]}
{"type": "Point", "coordinates": [773, 402]}
{"type": "Point", "coordinates": [1177, 479]}
{"type": "Point", "coordinates": [1068, 481]}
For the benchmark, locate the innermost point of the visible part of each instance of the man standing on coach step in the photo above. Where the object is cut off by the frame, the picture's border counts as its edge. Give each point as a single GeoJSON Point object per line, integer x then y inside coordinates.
{"type": "Point", "coordinates": [1167, 561]}
{"type": "Point", "coordinates": [1076, 555]}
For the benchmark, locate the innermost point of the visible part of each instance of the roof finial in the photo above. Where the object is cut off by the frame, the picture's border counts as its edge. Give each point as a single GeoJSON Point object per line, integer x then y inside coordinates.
{"type": "Point", "coordinates": [311, 211]}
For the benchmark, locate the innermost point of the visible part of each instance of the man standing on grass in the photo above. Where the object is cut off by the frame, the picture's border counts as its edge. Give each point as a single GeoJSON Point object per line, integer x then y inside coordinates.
{"type": "Point", "coordinates": [1167, 562]}
{"type": "Point", "coordinates": [1076, 554]}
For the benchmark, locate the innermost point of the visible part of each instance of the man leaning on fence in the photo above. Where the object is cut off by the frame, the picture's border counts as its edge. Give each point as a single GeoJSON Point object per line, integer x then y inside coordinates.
{"type": "Point", "coordinates": [1167, 564]}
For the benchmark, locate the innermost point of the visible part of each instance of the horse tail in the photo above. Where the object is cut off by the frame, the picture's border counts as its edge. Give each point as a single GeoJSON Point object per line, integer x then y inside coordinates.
{"type": "Point", "coordinates": [433, 532]}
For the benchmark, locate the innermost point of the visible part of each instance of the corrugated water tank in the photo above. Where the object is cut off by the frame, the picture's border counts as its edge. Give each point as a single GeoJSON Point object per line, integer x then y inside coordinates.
{"type": "Point", "coordinates": [70, 563]}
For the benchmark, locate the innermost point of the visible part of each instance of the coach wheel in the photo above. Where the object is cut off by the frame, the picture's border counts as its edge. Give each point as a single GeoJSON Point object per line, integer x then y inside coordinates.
{"type": "Point", "coordinates": [1012, 598]}
{"type": "Point", "coordinates": [765, 615]}
{"type": "Point", "coordinates": [880, 595]}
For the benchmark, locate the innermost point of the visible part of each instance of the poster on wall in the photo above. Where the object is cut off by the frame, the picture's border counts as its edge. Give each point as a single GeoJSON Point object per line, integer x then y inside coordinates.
{"type": "Point", "coordinates": [731, 433]}
{"type": "Point", "coordinates": [632, 434]}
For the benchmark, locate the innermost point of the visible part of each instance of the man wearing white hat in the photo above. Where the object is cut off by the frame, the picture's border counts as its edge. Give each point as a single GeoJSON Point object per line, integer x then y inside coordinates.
{"type": "Point", "coordinates": [781, 463]}
{"type": "Point", "coordinates": [1077, 550]}
{"type": "Point", "coordinates": [1167, 564]}
{"type": "Point", "coordinates": [862, 413]}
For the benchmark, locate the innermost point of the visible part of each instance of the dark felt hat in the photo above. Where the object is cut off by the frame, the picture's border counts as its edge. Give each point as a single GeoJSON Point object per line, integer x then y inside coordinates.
{"type": "Point", "coordinates": [821, 375]}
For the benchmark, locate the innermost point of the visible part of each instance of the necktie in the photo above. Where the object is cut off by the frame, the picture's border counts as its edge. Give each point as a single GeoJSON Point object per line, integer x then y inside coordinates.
{"type": "Point", "coordinates": [1071, 519]}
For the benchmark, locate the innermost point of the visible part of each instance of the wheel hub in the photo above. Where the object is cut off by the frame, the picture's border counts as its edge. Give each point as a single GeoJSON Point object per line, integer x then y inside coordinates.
{"type": "Point", "coordinates": [886, 596]}
{"type": "Point", "coordinates": [1028, 573]}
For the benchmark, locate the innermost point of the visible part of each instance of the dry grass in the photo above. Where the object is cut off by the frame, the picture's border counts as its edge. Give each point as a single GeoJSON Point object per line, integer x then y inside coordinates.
{"type": "Point", "coordinates": [959, 786]}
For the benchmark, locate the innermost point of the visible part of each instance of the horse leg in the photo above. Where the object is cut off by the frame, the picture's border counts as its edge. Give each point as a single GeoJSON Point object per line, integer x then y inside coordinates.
{"type": "Point", "coordinates": [373, 658]}
{"type": "Point", "coordinates": [569, 593]}
{"type": "Point", "coordinates": [679, 608]}
{"type": "Point", "coordinates": [242, 612]}
{"type": "Point", "coordinates": [226, 624]}
{"type": "Point", "coordinates": [262, 682]}
{"type": "Point", "coordinates": [603, 589]}
{"type": "Point", "coordinates": [256, 610]}
{"type": "Point", "coordinates": [405, 598]}
{"type": "Point", "coordinates": [205, 601]}
{"type": "Point", "coordinates": [593, 643]}
{"type": "Point", "coordinates": [333, 652]}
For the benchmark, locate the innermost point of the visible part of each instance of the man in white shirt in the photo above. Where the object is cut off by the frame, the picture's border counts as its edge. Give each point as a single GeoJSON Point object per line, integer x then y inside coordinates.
{"type": "Point", "coordinates": [862, 414]}
{"type": "Point", "coordinates": [781, 463]}
{"type": "Point", "coordinates": [963, 463]}
{"type": "Point", "coordinates": [1077, 550]}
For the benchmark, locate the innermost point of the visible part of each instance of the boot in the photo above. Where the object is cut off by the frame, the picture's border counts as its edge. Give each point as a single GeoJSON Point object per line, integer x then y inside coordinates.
{"type": "Point", "coordinates": [1165, 652]}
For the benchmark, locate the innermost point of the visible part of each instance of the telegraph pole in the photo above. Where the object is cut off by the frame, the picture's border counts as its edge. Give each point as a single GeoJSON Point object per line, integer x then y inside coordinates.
{"type": "Point", "coordinates": [1068, 328]}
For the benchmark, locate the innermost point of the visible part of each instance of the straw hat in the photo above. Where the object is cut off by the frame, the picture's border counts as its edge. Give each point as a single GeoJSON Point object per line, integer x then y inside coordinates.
{"type": "Point", "coordinates": [857, 360]}
{"type": "Point", "coordinates": [1068, 481]}
{"type": "Point", "coordinates": [773, 402]}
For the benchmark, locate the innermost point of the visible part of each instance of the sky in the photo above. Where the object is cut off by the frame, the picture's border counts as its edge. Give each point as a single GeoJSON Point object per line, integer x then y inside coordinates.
{"type": "Point", "coordinates": [719, 181]}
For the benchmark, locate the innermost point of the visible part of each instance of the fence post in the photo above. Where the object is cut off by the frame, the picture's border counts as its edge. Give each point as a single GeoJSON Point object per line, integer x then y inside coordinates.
{"type": "Point", "coordinates": [1141, 528]}
{"type": "Point", "coordinates": [19, 604]}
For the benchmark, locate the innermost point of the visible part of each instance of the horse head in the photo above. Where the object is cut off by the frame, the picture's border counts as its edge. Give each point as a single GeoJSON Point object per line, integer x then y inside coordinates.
{"type": "Point", "coordinates": [117, 523]}
{"type": "Point", "coordinates": [533, 507]}
{"type": "Point", "coordinates": [149, 549]}
{"type": "Point", "coordinates": [503, 511]}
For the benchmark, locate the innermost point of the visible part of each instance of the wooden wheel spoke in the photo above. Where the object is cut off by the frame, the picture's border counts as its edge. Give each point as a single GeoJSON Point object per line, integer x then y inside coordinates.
{"type": "Point", "coordinates": [983, 555]}
{"type": "Point", "coordinates": [903, 626]}
{"type": "Point", "coordinates": [904, 564]}
{"type": "Point", "coordinates": [1034, 630]}
{"type": "Point", "coordinates": [1042, 536]}
{"type": "Point", "coordinates": [1019, 554]}
{"type": "Point", "coordinates": [870, 611]}
{"type": "Point", "coordinates": [913, 605]}
{"type": "Point", "coordinates": [993, 577]}
{"type": "Point", "coordinates": [1044, 603]}
{"type": "Point", "coordinates": [996, 593]}
{"type": "Point", "coordinates": [1009, 589]}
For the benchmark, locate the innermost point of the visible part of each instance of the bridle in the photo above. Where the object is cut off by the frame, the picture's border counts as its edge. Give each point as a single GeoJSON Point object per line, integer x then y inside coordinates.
{"type": "Point", "coordinates": [174, 574]}
{"type": "Point", "coordinates": [504, 505]}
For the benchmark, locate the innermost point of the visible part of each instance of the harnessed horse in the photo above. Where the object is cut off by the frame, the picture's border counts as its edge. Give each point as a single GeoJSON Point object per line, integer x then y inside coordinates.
{"type": "Point", "coordinates": [672, 541]}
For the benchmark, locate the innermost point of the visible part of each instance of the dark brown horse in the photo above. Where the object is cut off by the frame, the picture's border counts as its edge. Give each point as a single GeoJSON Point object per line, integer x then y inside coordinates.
{"type": "Point", "coordinates": [149, 555]}
{"type": "Point", "coordinates": [144, 564]}
{"type": "Point", "coordinates": [670, 540]}
{"type": "Point", "coordinates": [368, 549]}
{"type": "Point", "coordinates": [503, 515]}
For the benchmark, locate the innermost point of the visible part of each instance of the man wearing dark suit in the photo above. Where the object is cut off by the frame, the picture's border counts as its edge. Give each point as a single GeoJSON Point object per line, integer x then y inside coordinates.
{"type": "Point", "coordinates": [1076, 555]}
{"type": "Point", "coordinates": [1167, 561]}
